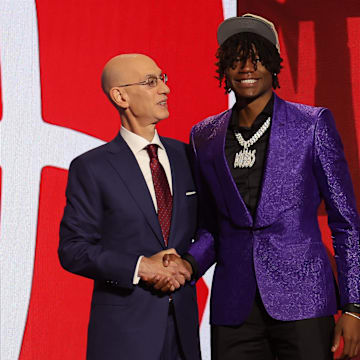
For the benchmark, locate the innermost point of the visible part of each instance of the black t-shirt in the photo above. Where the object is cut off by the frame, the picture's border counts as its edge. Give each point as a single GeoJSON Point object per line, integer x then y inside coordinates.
{"type": "Point", "coordinates": [248, 180]}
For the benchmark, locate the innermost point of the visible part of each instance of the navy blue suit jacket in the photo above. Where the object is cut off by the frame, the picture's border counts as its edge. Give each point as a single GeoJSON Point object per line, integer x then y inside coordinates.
{"type": "Point", "coordinates": [109, 220]}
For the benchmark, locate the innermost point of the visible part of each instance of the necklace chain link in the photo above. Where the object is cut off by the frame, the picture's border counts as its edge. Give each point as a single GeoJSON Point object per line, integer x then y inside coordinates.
{"type": "Point", "coordinates": [246, 158]}
{"type": "Point", "coordinates": [255, 137]}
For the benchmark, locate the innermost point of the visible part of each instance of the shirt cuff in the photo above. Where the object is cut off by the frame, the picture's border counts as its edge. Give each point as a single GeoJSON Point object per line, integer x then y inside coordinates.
{"type": "Point", "coordinates": [136, 277]}
{"type": "Point", "coordinates": [190, 259]}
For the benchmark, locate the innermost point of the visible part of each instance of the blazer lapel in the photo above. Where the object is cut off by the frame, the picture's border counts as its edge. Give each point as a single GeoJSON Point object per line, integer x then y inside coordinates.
{"type": "Point", "coordinates": [271, 195]}
{"type": "Point", "coordinates": [124, 162]}
{"type": "Point", "coordinates": [236, 207]}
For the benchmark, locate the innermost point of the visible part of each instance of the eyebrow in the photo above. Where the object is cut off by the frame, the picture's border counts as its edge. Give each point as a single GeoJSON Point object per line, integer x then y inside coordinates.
{"type": "Point", "coordinates": [149, 75]}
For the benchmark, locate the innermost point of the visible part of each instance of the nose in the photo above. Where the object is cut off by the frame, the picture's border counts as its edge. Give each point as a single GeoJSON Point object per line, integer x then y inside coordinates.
{"type": "Point", "coordinates": [163, 88]}
{"type": "Point", "coordinates": [245, 66]}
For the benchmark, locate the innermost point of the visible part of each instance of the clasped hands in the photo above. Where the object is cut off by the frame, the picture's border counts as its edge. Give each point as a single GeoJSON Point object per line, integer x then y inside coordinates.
{"type": "Point", "coordinates": [165, 271]}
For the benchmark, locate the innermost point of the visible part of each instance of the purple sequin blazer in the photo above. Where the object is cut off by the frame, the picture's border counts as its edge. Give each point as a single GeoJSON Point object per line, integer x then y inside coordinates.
{"type": "Point", "coordinates": [281, 249]}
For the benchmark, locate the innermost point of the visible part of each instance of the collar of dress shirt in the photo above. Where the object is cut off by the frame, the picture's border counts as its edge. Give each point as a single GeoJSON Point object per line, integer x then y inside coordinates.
{"type": "Point", "coordinates": [260, 119]}
{"type": "Point", "coordinates": [137, 143]}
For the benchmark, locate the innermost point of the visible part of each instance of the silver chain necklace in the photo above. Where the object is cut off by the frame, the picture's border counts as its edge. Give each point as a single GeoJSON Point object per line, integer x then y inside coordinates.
{"type": "Point", "coordinates": [246, 158]}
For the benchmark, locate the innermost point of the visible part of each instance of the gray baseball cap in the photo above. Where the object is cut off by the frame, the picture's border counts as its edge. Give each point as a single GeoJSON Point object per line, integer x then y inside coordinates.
{"type": "Point", "coordinates": [248, 23]}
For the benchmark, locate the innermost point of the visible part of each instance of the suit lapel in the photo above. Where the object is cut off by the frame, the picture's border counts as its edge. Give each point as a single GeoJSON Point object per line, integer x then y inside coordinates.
{"type": "Point", "coordinates": [124, 162]}
{"type": "Point", "coordinates": [236, 207]}
{"type": "Point", "coordinates": [270, 200]}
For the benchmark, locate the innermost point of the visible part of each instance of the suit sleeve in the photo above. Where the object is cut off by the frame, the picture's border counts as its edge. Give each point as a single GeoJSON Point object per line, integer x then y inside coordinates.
{"type": "Point", "coordinates": [80, 250]}
{"type": "Point", "coordinates": [203, 249]}
{"type": "Point", "coordinates": [336, 187]}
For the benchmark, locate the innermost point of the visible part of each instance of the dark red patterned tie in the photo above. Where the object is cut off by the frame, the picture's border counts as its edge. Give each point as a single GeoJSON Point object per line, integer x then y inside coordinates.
{"type": "Point", "coordinates": [162, 191]}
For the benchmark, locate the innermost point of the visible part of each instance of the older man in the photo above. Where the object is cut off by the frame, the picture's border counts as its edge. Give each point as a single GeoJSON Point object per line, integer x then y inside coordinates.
{"type": "Point", "coordinates": [128, 203]}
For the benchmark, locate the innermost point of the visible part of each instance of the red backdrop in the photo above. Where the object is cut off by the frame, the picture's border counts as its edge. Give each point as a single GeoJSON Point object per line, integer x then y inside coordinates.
{"type": "Point", "coordinates": [321, 50]}
{"type": "Point", "coordinates": [75, 40]}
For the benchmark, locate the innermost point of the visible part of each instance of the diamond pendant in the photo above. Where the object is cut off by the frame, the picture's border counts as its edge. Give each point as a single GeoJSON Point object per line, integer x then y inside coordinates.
{"type": "Point", "coordinates": [245, 158]}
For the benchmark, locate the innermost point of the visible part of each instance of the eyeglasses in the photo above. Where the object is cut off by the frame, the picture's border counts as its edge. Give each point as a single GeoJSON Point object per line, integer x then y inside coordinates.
{"type": "Point", "coordinates": [151, 81]}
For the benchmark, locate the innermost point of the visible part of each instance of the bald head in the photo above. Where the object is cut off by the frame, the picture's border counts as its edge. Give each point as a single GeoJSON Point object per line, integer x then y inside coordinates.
{"type": "Point", "coordinates": [125, 69]}
{"type": "Point", "coordinates": [141, 106]}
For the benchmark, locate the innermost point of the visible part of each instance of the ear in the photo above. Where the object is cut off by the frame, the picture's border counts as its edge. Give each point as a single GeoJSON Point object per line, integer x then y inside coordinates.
{"type": "Point", "coordinates": [227, 82]}
{"type": "Point", "coordinates": [119, 97]}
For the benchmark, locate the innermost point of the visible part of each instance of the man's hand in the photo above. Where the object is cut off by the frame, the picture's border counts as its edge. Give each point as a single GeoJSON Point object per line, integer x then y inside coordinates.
{"type": "Point", "coordinates": [152, 271]}
{"type": "Point", "coordinates": [349, 328]}
{"type": "Point", "coordinates": [174, 261]}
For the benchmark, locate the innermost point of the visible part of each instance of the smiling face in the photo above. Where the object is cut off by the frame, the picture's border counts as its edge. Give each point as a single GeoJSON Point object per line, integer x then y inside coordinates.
{"type": "Point", "coordinates": [147, 104]}
{"type": "Point", "coordinates": [124, 82]}
{"type": "Point", "coordinates": [249, 79]}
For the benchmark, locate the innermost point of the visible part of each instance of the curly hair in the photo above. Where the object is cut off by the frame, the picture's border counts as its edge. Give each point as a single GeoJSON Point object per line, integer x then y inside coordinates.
{"type": "Point", "coordinates": [243, 46]}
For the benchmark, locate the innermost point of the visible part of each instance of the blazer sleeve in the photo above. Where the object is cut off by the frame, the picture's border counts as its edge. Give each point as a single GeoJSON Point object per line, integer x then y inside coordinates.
{"type": "Point", "coordinates": [336, 187]}
{"type": "Point", "coordinates": [80, 250]}
{"type": "Point", "coordinates": [203, 249]}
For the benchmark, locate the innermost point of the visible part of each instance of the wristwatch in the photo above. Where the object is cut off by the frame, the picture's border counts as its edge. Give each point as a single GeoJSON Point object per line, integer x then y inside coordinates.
{"type": "Point", "coordinates": [354, 308]}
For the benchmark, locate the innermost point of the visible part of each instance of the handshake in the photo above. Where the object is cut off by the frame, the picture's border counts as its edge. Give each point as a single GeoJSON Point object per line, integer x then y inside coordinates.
{"type": "Point", "coordinates": [165, 271]}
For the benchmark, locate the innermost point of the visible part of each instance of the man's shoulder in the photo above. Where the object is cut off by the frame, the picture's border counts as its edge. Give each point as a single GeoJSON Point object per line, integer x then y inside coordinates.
{"type": "Point", "coordinates": [177, 145]}
{"type": "Point", "coordinates": [209, 125]}
{"type": "Point", "coordinates": [303, 110]}
{"type": "Point", "coordinates": [92, 156]}
{"type": "Point", "coordinates": [173, 142]}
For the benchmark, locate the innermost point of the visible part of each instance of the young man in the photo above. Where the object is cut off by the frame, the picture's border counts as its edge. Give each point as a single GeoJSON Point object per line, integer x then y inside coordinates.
{"type": "Point", "coordinates": [128, 203]}
{"type": "Point", "coordinates": [262, 169]}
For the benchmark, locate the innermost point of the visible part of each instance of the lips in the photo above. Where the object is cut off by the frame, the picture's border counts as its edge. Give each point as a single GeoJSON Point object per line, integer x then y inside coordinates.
{"type": "Point", "coordinates": [247, 81]}
{"type": "Point", "coordinates": [163, 102]}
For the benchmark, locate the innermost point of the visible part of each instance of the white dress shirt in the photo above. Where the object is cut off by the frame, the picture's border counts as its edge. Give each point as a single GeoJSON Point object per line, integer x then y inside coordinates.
{"type": "Point", "coordinates": [137, 145]}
